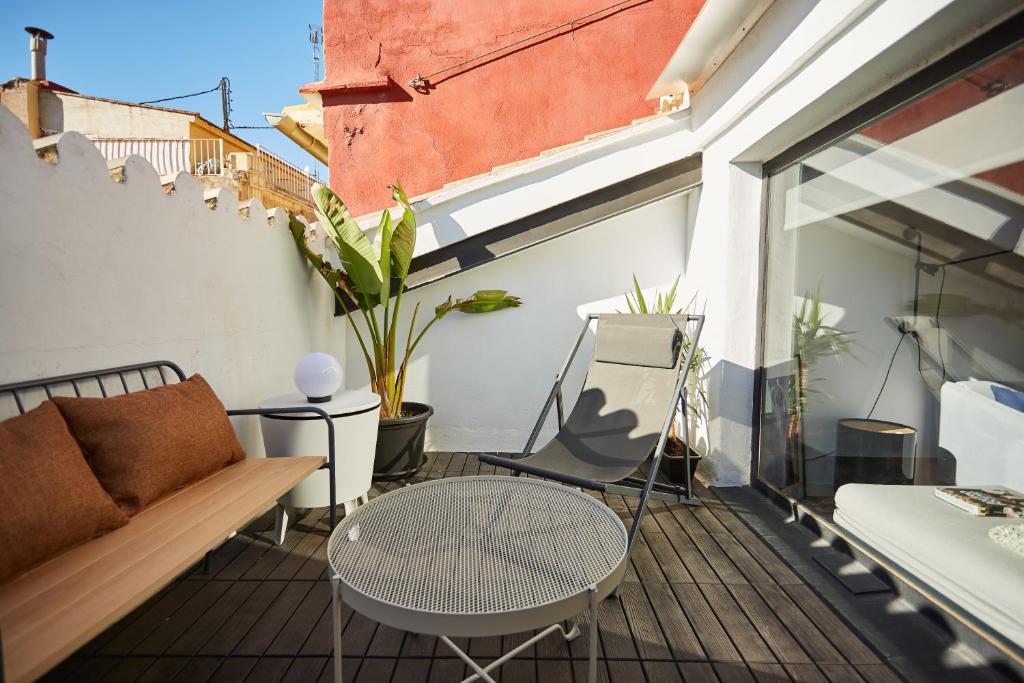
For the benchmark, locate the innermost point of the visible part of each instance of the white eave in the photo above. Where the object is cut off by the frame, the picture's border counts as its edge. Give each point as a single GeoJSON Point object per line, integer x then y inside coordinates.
{"type": "Point", "coordinates": [715, 33]}
{"type": "Point", "coordinates": [512, 191]}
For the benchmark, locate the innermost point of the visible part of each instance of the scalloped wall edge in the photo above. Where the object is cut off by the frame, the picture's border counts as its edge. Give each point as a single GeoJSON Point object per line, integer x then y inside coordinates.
{"type": "Point", "coordinates": [48, 149]}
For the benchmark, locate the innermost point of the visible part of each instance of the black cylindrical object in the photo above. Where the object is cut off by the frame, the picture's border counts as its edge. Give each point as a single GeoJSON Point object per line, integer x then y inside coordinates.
{"type": "Point", "coordinates": [874, 452]}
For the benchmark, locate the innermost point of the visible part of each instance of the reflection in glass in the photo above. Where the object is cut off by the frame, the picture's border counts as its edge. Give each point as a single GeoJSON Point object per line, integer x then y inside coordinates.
{"type": "Point", "coordinates": [894, 313]}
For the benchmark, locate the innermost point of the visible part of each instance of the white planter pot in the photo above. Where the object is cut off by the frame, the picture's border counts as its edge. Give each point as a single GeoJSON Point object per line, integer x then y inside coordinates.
{"type": "Point", "coordinates": [355, 415]}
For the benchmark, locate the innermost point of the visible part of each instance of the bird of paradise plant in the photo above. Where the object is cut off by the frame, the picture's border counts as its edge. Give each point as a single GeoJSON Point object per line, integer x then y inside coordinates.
{"type": "Point", "coordinates": [372, 278]}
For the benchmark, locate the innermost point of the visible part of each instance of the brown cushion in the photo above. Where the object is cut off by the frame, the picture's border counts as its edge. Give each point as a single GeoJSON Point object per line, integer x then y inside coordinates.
{"type": "Point", "coordinates": [146, 444]}
{"type": "Point", "coordinates": [51, 499]}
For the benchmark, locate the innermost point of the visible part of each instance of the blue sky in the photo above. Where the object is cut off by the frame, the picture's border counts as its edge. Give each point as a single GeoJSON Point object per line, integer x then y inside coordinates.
{"type": "Point", "coordinates": [145, 50]}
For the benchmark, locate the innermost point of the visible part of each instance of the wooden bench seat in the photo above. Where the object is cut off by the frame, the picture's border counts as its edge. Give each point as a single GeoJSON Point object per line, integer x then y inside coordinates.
{"type": "Point", "coordinates": [54, 609]}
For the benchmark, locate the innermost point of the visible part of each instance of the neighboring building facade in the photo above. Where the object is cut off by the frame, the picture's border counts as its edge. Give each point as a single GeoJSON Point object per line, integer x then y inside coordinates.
{"type": "Point", "coordinates": [559, 85]}
{"type": "Point", "coordinates": [173, 140]}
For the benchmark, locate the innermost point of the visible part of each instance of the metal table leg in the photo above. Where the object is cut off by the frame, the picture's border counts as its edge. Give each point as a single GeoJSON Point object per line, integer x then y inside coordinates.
{"type": "Point", "coordinates": [336, 606]}
{"type": "Point", "coordinates": [592, 669]}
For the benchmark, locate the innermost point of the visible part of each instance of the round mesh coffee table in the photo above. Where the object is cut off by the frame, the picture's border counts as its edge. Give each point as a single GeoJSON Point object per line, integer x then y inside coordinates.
{"type": "Point", "coordinates": [477, 556]}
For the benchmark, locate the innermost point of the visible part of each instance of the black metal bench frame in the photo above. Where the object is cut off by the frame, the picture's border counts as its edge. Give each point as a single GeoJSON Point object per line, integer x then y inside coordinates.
{"type": "Point", "coordinates": [157, 368]}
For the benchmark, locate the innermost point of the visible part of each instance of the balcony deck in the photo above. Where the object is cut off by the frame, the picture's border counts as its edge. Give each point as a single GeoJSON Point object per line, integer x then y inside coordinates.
{"type": "Point", "coordinates": [716, 604]}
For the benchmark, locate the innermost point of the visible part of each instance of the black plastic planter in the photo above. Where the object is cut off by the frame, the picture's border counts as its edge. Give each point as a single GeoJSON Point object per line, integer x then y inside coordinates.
{"type": "Point", "coordinates": [674, 467]}
{"type": "Point", "coordinates": [400, 443]}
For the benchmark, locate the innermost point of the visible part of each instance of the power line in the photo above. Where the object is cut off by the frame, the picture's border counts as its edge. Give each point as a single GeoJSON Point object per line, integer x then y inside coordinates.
{"type": "Point", "coordinates": [419, 80]}
{"type": "Point", "coordinates": [225, 87]}
{"type": "Point", "coordinates": [182, 97]}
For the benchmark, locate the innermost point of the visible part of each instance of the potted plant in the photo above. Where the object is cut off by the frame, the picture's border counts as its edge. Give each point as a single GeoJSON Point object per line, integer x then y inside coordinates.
{"type": "Point", "coordinates": [371, 280]}
{"type": "Point", "coordinates": [674, 458]}
{"type": "Point", "coordinates": [813, 341]}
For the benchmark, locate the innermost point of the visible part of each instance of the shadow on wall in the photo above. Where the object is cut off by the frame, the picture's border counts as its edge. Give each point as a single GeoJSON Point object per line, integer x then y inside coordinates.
{"type": "Point", "coordinates": [730, 420]}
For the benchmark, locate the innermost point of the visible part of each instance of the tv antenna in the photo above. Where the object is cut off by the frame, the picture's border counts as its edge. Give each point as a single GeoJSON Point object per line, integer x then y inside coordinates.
{"type": "Point", "coordinates": [316, 39]}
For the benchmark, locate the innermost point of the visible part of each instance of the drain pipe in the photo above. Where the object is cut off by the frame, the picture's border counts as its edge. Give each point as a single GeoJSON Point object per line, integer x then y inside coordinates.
{"type": "Point", "coordinates": [294, 132]}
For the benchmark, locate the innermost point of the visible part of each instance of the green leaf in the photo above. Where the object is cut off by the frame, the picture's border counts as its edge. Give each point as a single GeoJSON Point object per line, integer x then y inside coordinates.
{"type": "Point", "coordinates": [403, 243]}
{"type": "Point", "coordinates": [639, 295]}
{"type": "Point", "coordinates": [483, 301]}
{"type": "Point", "coordinates": [385, 233]}
{"type": "Point", "coordinates": [670, 298]}
{"type": "Point", "coordinates": [357, 254]}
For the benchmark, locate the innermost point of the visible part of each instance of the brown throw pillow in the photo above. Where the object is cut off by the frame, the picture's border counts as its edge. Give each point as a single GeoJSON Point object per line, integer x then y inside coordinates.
{"type": "Point", "coordinates": [146, 444]}
{"type": "Point", "coordinates": [51, 499]}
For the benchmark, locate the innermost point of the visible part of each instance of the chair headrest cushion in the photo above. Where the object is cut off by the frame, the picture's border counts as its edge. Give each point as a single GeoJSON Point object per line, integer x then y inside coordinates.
{"type": "Point", "coordinates": [651, 341]}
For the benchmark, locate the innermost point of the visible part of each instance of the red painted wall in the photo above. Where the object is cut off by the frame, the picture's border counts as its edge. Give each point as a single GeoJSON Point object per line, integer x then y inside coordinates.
{"type": "Point", "coordinates": [550, 91]}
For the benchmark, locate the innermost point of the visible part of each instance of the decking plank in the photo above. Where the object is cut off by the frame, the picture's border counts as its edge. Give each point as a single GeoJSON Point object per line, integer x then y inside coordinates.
{"type": "Point", "coordinates": [375, 670]}
{"type": "Point", "coordinates": [773, 631]}
{"type": "Point", "coordinates": [662, 672]}
{"type": "Point", "coordinates": [614, 631]}
{"type": "Point", "coordinates": [698, 672]}
{"type": "Point", "coordinates": [733, 673]}
{"type": "Point", "coordinates": [742, 632]}
{"type": "Point", "coordinates": [239, 622]}
{"type": "Point", "coordinates": [128, 638]}
{"type": "Point", "coordinates": [853, 649]}
{"type": "Point", "coordinates": [197, 669]}
{"type": "Point", "coordinates": [300, 624]}
{"type": "Point", "coordinates": [189, 642]}
{"type": "Point", "coordinates": [269, 670]}
{"type": "Point", "coordinates": [694, 562]}
{"type": "Point", "coordinates": [411, 671]}
{"type": "Point", "coordinates": [805, 673]}
{"type": "Point", "coordinates": [183, 619]}
{"type": "Point", "coordinates": [682, 639]}
{"type": "Point", "coordinates": [643, 625]}
{"type": "Point", "coordinates": [840, 673]}
{"type": "Point", "coordinates": [672, 568]}
{"type": "Point", "coordinates": [304, 669]}
{"type": "Point", "coordinates": [713, 637]}
{"type": "Point", "coordinates": [769, 673]}
{"type": "Point", "coordinates": [811, 639]}
{"type": "Point", "coordinates": [263, 632]}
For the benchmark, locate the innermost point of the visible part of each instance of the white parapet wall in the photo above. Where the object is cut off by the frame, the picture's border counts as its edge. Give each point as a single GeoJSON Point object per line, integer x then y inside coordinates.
{"type": "Point", "coordinates": [107, 266]}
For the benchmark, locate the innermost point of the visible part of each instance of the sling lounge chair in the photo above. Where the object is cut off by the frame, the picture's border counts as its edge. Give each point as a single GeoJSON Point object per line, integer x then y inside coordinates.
{"type": "Point", "coordinates": [634, 383]}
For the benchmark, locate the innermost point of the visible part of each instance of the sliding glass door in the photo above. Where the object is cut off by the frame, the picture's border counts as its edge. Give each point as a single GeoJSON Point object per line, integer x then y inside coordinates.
{"type": "Point", "coordinates": [894, 311]}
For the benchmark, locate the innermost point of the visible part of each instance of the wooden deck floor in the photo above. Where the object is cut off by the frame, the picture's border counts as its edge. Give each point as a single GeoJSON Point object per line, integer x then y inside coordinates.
{"type": "Point", "coordinates": [705, 600]}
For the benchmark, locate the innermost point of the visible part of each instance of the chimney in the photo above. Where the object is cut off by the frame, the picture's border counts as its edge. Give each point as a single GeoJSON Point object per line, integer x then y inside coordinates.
{"type": "Point", "coordinates": [37, 51]}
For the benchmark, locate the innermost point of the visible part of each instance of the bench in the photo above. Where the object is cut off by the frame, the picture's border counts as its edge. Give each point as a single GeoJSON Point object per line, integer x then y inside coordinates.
{"type": "Point", "coordinates": [52, 610]}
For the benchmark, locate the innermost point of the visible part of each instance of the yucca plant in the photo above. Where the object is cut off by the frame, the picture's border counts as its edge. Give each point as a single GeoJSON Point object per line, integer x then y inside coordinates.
{"type": "Point", "coordinates": [813, 341]}
{"type": "Point", "coordinates": [373, 278]}
{"type": "Point", "coordinates": [665, 304]}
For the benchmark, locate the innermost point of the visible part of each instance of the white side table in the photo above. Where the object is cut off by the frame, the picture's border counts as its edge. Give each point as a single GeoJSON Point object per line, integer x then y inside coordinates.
{"type": "Point", "coordinates": [355, 415]}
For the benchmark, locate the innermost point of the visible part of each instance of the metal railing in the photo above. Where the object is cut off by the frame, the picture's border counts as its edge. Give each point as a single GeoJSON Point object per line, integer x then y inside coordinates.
{"type": "Point", "coordinates": [196, 156]}
{"type": "Point", "coordinates": [207, 156]}
{"type": "Point", "coordinates": [274, 173]}
{"type": "Point", "coordinates": [255, 172]}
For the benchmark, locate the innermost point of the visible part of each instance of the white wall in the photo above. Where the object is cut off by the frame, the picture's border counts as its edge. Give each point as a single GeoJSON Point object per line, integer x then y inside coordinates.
{"type": "Point", "coordinates": [487, 375]}
{"type": "Point", "coordinates": [94, 273]}
{"type": "Point", "coordinates": [90, 116]}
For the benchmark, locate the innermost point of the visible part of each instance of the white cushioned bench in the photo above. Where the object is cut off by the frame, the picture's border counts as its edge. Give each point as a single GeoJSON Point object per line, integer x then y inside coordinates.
{"type": "Point", "coordinates": [944, 546]}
